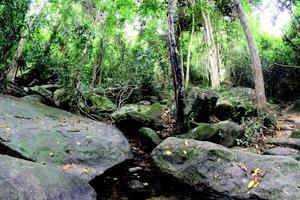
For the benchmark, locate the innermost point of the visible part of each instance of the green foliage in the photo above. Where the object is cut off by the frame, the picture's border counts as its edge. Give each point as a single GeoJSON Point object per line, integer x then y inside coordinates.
{"type": "Point", "coordinates": [255, 128]}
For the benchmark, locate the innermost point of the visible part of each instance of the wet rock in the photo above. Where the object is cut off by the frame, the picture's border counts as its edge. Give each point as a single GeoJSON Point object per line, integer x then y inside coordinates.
{"type": "Point", "coordinates": [56, 137]}
{"type": "Point", "coordinates": [22, 179]}
{"type": "Point", "coordinates": [235, 103]}
{"type": "Point", "coordinates": [200, 104]}
{"type": "Point", "coordinates": [218, 171]}
{"type": "Point", "coordinates": [33, 98]}
{"type": "Point", "coordinates": [150, 137]}
{"type": "Point", "coordinates": [224, 133]}
{"type": "Point", "coordinates": [137, 116]}
{"type": "Point", "coordinates": [283, 151]}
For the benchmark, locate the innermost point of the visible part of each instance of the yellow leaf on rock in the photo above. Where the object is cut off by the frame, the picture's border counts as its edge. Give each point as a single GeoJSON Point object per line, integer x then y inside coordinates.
{"type": "Point", "coordinates": [66, 167]}
{"type": "Point", "coordinates": [86, 170]}
{"type": "Point", "coordinates": [186, 143]}
{"type": "Point", "coordinates": [168, 153]}
{"type": "Point", "coordinates": [255, 172]}
{"type": "Point", "coordinates": [253, 184]}
{"type": "Point", "coordinates": [184, 152]}
{"type": "Point", "coordinates": [51, 154]}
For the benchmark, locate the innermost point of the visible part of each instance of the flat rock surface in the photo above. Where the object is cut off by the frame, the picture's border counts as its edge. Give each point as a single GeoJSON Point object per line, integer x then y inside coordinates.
{"type": "Point", "coordinates": [55, 137]}
{"type": "Point", "coordinates": [223, 173]}
{"type": "Point", "coordinates": [20, 179]}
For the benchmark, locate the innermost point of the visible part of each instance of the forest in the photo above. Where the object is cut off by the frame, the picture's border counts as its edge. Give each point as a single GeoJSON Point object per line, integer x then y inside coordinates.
{"type": "Point", "coordinates": [149, 99]}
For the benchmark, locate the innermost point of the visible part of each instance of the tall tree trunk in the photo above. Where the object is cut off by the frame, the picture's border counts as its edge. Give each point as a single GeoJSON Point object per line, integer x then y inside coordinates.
{"type": "Point", "coordinates": [97, 70]}
{"type": "Point", "coordinates": [187, 74]}
{"type": "Point", "coordinates": [13, 70]}
{"type": "Point", "coordinates": [176, 67]}
{"type": "Point", "coordinates": [212, 52]}
{"type": "Point", "coordinates": [256, 65]}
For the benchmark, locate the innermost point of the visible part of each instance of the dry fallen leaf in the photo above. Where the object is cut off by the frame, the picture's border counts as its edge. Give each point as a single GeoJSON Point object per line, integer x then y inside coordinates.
{"type": "Point", "coordinates": [186, 143]}
{"type": "Point", "coordinates": [86, 170]}
{"type": "Point", "coordinates": [243, 167]}
{"type": "Point", "coordinates": [255, 172]}
{"type": "Point", "coordinates": [66, 167]}
{"type": "Point", "coordinates": [3, 126]}
{"type": "Point", "coordinates": [168, 153]}
{"type": "Point", "coordinates": [253, 184]}
{"type": "Point", "coordinates": [51, 154]}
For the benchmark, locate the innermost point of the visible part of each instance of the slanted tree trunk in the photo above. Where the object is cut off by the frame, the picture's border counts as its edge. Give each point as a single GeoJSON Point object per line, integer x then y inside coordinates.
{"type": "Point", "coordinates": [13, 70]}
{"type": "Point", "coordinates": [176, 67]}
{"type": "Point", "coordinates": [256, 65]}
{"type": "Point", "coordinates": [187, 75]}
{"type": "Point", "coordinates": [212, 52]}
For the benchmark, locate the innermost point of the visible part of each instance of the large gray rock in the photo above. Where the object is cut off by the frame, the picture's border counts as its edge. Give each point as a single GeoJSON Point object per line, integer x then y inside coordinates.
{"type": "Point", "coordinates": [55, 137]}
{"type": "Point", "coordinates": [283, 151]}
{"type": "Point", "coordinates": [20, 179]}
{"type": "Point", "coordinates": [138, 115]}
{"type": "Point", "coordinates": [224, 133]}
{"type": "Point", "coordinates": [33, 98]}
{"type": "Point", "coordinates": [295, 106]}
{"type": "Point", "coordinates": [235, 103]}
{"type": "Point", "coordinates": [200, 105]}
{"type": "Point", "coordinates": [221, 173]}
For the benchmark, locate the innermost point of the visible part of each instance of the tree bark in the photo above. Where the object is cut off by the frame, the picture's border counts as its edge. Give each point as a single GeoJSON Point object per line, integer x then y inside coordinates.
{"type": "Point", "coordinates": [13, 70]}
{"type": "Point", "coordinates": [97, 70]}
{"type": "Point", "coordinates": [256, 65]}
{"type": "Point", "coordinates": [187, 75]}
{"type": "Point", "coordinates": [176, 67]}
{"type": "Point", "coordinates": [212, 52]}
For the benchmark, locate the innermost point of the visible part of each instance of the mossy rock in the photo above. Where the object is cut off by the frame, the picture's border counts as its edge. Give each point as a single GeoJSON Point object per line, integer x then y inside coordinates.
{"type": "Point", "coordinates": [236, 103]}
{"type": "Point", "coordinates": [295, 106]}
{"type": "Point", "coordinates": [137, 116]}
{"type": "Point", "coordinates": [150, 137]}
{"type": "Point", "coordinates": [101, 103]}
{"type": "Point", "coordinates": [216, 172]}
{"type": "Point", "coordinates": [224, 133]}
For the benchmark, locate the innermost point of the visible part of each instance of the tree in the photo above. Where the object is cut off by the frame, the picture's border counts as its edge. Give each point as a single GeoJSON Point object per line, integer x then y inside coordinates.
{"type": "Point", "coordinates": [12, 72]}
{"type": "Point", "coordinates": [176, 67]}
{"type": "Point", "coordinates": [256, 64]}
{"type": "Point", "coordinates": [212, 51]}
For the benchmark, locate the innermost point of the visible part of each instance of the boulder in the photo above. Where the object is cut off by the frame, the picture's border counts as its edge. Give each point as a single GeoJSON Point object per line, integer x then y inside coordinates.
{"type": "Point", "coordinates": [41, 90]}
{"type": "Point", "coordinates": [35, 98]}
{"type": "Point", "coordinates": [235, 103]}
{"type": "Point", "coordinates": [221, 173]}
{"type": "Point", "coordinates": [283, 151]}
{"type": "Point", "coordinates": [61, 98]}
{"type": "Point", "coordinates": [56, 137]}
{"type": "Point", "coordinates": [101, 103]}
{"type": "Point", "coordinates": [224, 133]}
{"type": "Point", "coordinates": [22, 179]}
{"type": "Point", "coordinates": [136, 116]}
{"type": "Point", "coordinates": [295, 106]}
{"type": "Point", "coordinates": [200, 105]}
{"type": "Point", "coordinates": [150, 137]}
